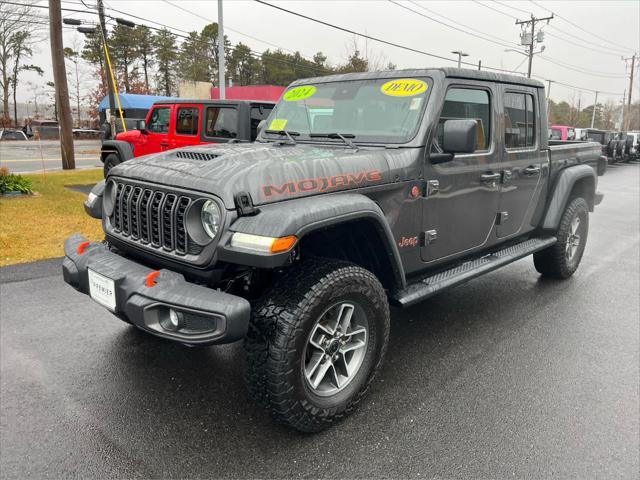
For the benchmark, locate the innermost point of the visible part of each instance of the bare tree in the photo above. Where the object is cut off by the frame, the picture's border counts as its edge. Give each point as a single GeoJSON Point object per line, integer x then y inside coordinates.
{"type": "Point", "coordinates": [15, 20]}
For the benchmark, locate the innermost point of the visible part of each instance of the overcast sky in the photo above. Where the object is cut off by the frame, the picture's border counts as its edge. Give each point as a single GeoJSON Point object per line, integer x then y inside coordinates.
{"type": "Point", "coordinates": [587, 60]}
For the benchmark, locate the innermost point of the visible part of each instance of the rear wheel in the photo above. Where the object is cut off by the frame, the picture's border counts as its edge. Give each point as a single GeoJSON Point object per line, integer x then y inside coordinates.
{"type": "Point", "coordinates": [315, 343]}
{"type": "Point", "coordinates": [110, 161]}
{"type": "Point", "coordinates": [561, 260]}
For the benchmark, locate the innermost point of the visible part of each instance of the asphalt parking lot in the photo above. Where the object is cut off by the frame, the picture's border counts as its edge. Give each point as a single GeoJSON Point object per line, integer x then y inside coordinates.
{"type": "Point", "coordinates": [508, 376]}
{"type": "Point", "coordinates": [37, 155]}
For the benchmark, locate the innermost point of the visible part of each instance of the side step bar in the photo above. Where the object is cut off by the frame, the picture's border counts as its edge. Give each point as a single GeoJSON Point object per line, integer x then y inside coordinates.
{"type": "Point", "coordinates": [428, 286]}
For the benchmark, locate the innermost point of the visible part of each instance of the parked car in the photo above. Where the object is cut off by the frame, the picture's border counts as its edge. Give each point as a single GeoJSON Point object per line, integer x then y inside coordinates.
{"type": "Point", "coordinates": [178, 123]}
{"type": "Point", "coordinates": [632, 146]}
{"type": "Point", "coordinates": [410, 182]}
{"type": "Point", "coordinates": [562, 132]}
{"type": "Point", "coordinates": [8, 134]}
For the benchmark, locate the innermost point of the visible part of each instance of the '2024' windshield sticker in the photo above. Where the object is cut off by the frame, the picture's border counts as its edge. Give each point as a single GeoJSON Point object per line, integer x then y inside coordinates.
{"type": "Point", "coordinates": [404, 87]}
{"type": "Point", "coordinates": [278, 124]}
{"type": "Point", "coordinates": [299, 93]}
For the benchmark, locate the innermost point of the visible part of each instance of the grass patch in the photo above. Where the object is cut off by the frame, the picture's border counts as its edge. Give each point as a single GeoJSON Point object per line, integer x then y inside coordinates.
{"type": "Point", "coordinates": [35, 227]}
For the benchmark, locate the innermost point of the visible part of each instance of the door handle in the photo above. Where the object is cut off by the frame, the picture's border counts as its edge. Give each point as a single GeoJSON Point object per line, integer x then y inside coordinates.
{"type": "Point", "coordinates": [164, 144]}
{"type": "Point", "coordinates": [490, 177]}
{"type": "Point", "coordinates": [531, 171]}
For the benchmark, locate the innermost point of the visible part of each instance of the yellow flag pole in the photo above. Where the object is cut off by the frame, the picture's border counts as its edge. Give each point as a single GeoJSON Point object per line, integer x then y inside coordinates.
{"type": "Point", "coordinates": [113, 80]}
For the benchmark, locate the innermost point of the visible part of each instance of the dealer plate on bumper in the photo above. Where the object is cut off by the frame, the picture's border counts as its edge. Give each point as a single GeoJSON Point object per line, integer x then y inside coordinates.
{"type": "Point", "coordinates": [102, 289]}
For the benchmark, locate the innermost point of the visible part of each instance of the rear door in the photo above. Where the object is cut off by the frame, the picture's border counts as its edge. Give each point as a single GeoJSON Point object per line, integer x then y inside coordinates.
{"type": "Point", "coordinates": [157, 131]}
{"type": "Point", "coordinates": [221, 123]}
{"type": "Point", "coordinates": [522, 163]}
{"type": "Point", "coordinates": [186, 129]}
{"type": "Point", "coordinates": [462, 194]}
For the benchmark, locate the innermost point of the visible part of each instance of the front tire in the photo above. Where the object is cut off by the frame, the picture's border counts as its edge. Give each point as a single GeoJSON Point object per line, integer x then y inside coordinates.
{"type": "Point", "coordinates": [110, 161]}
{"type": "Point", "coordinates": [561, 260]}
{"type": "Point", "coordinates": [315, 343]}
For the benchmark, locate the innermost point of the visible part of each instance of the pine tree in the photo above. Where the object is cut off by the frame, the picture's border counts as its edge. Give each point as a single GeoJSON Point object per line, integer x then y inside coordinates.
{"type": "Point", "coordinates": [166, 57]}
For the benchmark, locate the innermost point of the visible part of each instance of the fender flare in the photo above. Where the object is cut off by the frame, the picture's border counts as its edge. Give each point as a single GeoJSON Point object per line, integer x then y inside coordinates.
{"type": "Point", "coordinates": [303, 216]}
{"type": "Point", "coordinates": [563, 187]}
{"type": "Point", "coordinates": [123, 149]}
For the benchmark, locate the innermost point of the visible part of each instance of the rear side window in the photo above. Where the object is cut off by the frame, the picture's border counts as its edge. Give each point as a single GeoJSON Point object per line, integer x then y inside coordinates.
{"type": "Point", "coordinates": [187, 121]}
{"type": "Point", "coordinates": [159, 121]}
{"type": "Point", "coordinates": [222, 122]}
{"type": "Point", "coordinates": [468, 103]}
{"type": "Point", "coordinates": [258, 113]}
{"type": "Point", "coordinates": [519, 121]}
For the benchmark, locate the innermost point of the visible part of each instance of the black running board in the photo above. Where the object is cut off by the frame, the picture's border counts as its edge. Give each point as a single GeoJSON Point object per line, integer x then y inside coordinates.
{"type": "Point", "coordinates": [428, 286]}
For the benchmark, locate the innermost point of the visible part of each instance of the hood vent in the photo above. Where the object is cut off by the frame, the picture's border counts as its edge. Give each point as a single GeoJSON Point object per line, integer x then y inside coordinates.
{"type": "Point", "coordinates": [205, 157]}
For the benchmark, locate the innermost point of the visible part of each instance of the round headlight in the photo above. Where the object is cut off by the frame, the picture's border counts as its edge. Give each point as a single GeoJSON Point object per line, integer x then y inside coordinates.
{"type": "Point", "coordinates": [210, 216]}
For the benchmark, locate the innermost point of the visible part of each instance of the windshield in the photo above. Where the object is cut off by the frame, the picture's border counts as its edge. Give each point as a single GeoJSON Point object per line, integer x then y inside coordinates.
{"type": "Point", "coordinates": [556, 134]}
{"type": "Point", "coordinates": [376, 110]}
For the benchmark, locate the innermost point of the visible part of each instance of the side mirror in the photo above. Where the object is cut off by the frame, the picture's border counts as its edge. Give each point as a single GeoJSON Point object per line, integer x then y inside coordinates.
{"type": "Point", "coordinates": [141, 125]}
{"type": "Point", "coordinates": [93, 203]}
{"type": "Point", "coordinates": [460, 136]}
{"type": "Point", "coordinates": [260, 127]}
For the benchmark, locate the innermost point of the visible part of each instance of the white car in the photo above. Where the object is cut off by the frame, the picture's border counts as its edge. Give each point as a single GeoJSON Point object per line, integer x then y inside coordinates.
{"type": "Point", "coordinates": [8, 135]}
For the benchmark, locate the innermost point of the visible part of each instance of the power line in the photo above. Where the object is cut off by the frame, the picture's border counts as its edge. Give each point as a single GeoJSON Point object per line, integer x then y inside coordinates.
{"type": "Point", "coordinates": [465, 26]}
{"type": "Point", "coordinates": [233, 30]}
{"type": "Point", "coordinates": [513, 8]}
{"type": "Point", "coordinates": [370, 37]}
{"type": "Point", "coordinates": [580, 45]}
{"type": "Point", "coordinates": [501, 43]}
{"type": "Point", "coordinates": [590, 33]}
{"type": "Point", "coordinates": [578, 69]}
{"type": "Point", "coordinates": [495, 10]}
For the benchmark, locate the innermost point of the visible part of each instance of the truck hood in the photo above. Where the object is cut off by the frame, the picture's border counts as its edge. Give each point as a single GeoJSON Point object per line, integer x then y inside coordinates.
{"type": "Point", "coordinates": [268, 172]}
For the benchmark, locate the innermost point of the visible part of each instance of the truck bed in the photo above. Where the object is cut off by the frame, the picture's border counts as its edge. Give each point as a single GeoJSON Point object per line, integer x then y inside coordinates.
{"type": "Point", "coordinates": [566, 153]}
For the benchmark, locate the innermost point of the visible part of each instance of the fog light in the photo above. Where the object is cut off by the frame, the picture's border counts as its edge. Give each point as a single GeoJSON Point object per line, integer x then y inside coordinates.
{"type": "Point", "coordinates": [174, 321]}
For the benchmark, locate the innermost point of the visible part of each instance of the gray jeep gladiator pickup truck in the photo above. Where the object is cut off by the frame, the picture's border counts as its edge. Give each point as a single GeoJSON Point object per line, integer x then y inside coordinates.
{"type": "Point", "coordinates": [363, 190]}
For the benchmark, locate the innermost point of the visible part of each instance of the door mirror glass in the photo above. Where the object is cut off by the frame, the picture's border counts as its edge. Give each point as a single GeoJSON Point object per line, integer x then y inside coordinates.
{"type": "Point", "coordinates": [141, 125]}
{"type": "Point", "coordinates": [460, 136]}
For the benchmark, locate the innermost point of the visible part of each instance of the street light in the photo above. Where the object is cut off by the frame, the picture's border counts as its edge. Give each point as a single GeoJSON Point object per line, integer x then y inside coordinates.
{"type": "Point", "coordinates": [460, 54]}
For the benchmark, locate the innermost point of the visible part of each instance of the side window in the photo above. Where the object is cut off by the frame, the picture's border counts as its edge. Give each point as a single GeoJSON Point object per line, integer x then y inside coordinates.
{"type": "Point", "coordinates": [258, 113]}
{"type": "Point", "coordinates": [159, 121]}
{"type": "Point", "coordinates": [187, 121]}
{"type": "Point", "coordinates": [222, 122]}
{"type": "Point", "coordinates": [468, 103]}
{"type": "Point", "coordinates": [519, 121]}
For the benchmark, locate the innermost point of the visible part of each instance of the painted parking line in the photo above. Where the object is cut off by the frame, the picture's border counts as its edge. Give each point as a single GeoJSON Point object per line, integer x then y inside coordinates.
{"type": "Point", "coordinates": [53, 159]}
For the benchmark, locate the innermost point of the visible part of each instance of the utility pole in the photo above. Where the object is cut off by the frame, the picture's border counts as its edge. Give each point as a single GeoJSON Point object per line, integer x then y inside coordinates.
{"type": "Point", "coordinates": [221, 61]}
{"type": "Point", "coordinates": [62, 89]}
{"type": "Point", "coordinates": [532, 40]}
{"type": "Point", "coordinates": [593, 114]}
{"type": "Point", "coordinates": [627, 121]}
{"type": "Point", "coordinates": [549, 99]}
{"type": "Point", "coordinates": [479, 65]}
{"type": "Point", "coordinates": [110, 87]}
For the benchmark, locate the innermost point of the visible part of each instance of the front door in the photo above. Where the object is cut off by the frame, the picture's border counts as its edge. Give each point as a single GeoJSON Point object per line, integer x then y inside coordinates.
{"type": "Point", "coordinates": [157, 134]}
{"type": "Point", "coordinates": [462, 194]}
{"type": "Point", "coordinates": [522, 163]}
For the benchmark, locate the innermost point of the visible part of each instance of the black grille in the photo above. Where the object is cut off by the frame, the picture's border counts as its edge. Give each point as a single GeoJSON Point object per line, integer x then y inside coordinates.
{"type": "Point", "coordinates": [205, 157]}
{"type": "Point", "coordinates": [153, 218]}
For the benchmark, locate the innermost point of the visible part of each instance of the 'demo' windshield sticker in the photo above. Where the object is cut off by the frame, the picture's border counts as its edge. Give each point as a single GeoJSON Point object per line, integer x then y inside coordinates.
{"type": "Point", "coordinates": [403, 87]}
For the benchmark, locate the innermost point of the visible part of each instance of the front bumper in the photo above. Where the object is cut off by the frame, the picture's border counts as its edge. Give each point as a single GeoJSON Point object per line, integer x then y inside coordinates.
{"type": "Point", "coordinates": [208, 316]}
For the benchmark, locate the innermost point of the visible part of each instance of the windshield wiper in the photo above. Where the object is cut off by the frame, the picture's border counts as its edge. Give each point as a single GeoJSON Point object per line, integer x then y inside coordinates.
{"type": "Point", "coordinates": [342, 136]}
{"type": "Point", "coordinates": [288, 133]}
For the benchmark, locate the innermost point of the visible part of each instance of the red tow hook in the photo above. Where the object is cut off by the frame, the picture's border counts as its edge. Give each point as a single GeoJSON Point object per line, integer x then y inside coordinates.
{"type": "Point", "coordinates": [151, 278]}
{"type": "Point", "coordinates": [82, 247]}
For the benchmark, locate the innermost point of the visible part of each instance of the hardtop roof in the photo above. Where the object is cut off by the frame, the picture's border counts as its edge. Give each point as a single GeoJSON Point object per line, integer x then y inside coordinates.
{"type": "Point", "coordinates": [463, 73]}
{"type": "Point", "coordinates": [210, 101]}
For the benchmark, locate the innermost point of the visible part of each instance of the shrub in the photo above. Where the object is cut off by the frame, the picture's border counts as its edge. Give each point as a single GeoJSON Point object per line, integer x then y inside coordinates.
{"type": "Point", "coordinates": [14, 183]}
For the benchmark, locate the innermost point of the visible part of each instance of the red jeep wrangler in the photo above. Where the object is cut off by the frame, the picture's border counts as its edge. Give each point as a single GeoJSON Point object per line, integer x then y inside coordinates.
{"type": "Point", "coordinates": [179, 123]}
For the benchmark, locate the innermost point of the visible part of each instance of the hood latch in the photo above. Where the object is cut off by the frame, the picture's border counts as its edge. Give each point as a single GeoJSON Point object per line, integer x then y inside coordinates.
{"type": "Point", "coordinates": [244, 204]}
